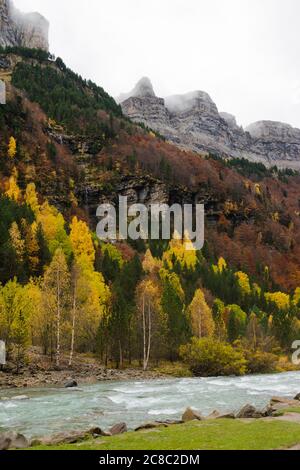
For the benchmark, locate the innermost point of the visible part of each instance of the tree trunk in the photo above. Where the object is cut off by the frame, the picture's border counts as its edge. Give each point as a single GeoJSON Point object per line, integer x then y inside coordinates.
{"type": "Point", "coordinates": [149, 335]}
{"type": "Point", "coordinates": [144, 334]}
{"type": "Point", "coordinates": [58, 323]}
{"type": "Point", "coordinates": [121, 355]}
{"type": "Point", "coordinates": [200, 324]}
{"type": "Point", "coordinates": [73, 325]}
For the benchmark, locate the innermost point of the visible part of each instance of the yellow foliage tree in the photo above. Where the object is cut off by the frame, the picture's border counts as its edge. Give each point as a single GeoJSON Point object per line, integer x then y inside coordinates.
{"type": "Point", "coordinates": [13, 190]}
{"type": "Point", "coordinates": [31, 197]}
{"type": "Point", "coordinates": [92, 297]}
{"type": "Point", "coordinates": [281, 300]}
{"type": "Point", "coordinates": [81, 240]}
{"type": "Point", "coordinates": [182, 252]}
{"type": "Point", "coordinates": [17, 242]}
{"type": "Point", "coordinates": [150, 317]}
{"type": "Point", "coordinates": [220, 267]}
{"type": "Point", "coordinates": [243, 281]}
{"type": "Point", "coordinates": [296, 297]}
{"type": "Point", "coordinates": [151, 264]}
{"type": "Point", "coordinates": [12, 148]}
{"type": "Point", "coordinates": [201, 316]}
{"type": "Point", "coordinates": [53, 225]}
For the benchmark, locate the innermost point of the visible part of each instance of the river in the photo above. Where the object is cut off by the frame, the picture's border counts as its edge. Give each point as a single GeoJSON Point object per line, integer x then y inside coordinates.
{"type": "Point", "coordinates": [47, 411]}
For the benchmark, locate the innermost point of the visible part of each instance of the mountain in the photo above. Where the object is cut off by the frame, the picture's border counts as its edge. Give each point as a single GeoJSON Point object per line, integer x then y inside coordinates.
{"type": "Point", "coordinates": [75, 144]}
{"type": "Point", "coordinates": [22, 30]}
{"type": "Point", "coordinates": [65, 148]}
{"type": "Point", "coordinates": [193, 122]}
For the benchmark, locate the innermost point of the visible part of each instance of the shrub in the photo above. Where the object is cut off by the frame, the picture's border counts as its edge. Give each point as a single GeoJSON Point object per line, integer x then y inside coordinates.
{"type": "Point", "coordinates": [209, 357]}
{"type": "Point", "coordinates": [260, 362]}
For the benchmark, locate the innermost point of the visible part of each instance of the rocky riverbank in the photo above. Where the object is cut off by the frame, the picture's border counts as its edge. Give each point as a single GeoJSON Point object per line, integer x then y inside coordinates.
{"type": "Point", "coordinates": [32, 378]}
{"type": "Point", "coordinates": [275, 411]}
{"type": "Point", "coordinates": [41, 372]}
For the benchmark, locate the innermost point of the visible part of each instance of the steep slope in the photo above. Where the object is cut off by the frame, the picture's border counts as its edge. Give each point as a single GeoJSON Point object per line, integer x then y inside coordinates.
{"type": "Point", "coordinates": [80, 150]}
{"type": "Point", "coordinates": [192, 121]}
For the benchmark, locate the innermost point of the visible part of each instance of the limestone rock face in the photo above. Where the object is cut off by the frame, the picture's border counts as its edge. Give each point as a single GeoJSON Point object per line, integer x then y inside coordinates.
{"type": "Point", "coordinates": [142, 106]}
{"type": "Point", "coordinates": [192, 122]}
{"type": "Point", "coordinates": [23, 30]}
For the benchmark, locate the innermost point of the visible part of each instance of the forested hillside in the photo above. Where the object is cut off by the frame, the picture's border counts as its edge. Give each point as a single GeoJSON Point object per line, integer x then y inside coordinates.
{"type": "Point", "coordinates": [64, 148]}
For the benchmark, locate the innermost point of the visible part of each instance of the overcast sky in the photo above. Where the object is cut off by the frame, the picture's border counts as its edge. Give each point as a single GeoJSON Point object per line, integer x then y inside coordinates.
{"type": "Point", "coordinates": [244, 53]}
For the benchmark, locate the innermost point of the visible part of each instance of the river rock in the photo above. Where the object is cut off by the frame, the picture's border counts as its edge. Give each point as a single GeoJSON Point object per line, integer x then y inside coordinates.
{"type": "Point", "coordinates": [278, 403]}
{"type": "Point", "coordinates": [170, 422]}
{"type": "Point", "coordinates": [65, 438]}
{"type": "Point", "coordinates": [71, 384]}
{"type": "Point", "coordinates": [249, 411]}
{"type": "Point", "coordinates": [98, 432]}
{"type": "Point", "coordinates": [13, 440]}
{"type": "Point", "coordinates": [267, 411]}
{"type": "Point", "coordinates": [20, 398]}
{"type": "Point", "coordinates": [214, 415]}
{"type": "Point", "coordinates": [226, 416]}
{"type": "Point", "coordinates": [191, 415]}
{"type": "Point", "coordinates": [153, 425]}
{"type": "Point", "coordinates": [119, 428]}
{"type": "Point", "coordinates": [218, 415]}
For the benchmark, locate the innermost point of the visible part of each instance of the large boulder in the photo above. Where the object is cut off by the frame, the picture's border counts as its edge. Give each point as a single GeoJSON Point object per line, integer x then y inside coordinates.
{"type": "Point", "coordinates": [249, 411]}
{"type": "Point", "coordinates": [191, 415]}
{"type": "Point", "coordinates": [119, 428]}
{"type": "Point", "coordinates": [297, 397]}
{"type": "Point", "coordinates": [13, 440]}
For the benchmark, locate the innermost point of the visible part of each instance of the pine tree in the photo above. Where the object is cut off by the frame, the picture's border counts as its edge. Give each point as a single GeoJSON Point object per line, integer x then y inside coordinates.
{"type": "Point", "coordinates": [237, 322]}
{"type": "Point", "coordinates": [174, 308]}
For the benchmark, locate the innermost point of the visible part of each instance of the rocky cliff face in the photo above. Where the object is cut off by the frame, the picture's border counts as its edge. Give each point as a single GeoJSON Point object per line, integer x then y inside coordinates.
{"type": "Point", "coordinates": [192, 121]}
{"type": "Point", "coordinates": [23, 30]}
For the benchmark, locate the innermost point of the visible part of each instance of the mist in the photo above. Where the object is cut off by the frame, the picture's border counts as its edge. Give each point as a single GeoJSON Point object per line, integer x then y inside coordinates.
{"type": "Point", "coordinates": [244, 54]}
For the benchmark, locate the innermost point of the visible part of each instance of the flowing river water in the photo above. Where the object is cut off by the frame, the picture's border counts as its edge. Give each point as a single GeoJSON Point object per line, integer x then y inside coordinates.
{"type": "Point", "coordinates": [46, 411]}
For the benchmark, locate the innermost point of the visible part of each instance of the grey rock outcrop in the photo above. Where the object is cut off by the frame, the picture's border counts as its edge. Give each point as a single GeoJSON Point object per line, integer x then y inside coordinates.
{"type": "Point", "coordinates": [142, 106]}
{"type": "Point", "coordinates": [193, 122]}
{"type": "Point", "coordinates": [20, 29]}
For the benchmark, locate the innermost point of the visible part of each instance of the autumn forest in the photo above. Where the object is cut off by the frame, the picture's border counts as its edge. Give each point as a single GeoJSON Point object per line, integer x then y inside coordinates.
{"type": "Point", "coordinates": [230, 309]}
